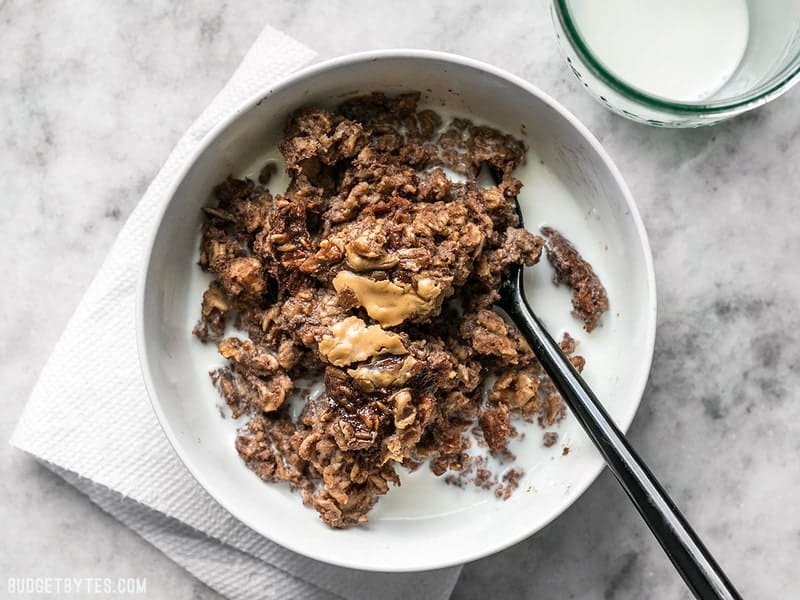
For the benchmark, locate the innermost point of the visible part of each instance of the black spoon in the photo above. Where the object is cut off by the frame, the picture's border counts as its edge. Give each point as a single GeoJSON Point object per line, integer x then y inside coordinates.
{"type": "Point", "coordinates": [692, 560]}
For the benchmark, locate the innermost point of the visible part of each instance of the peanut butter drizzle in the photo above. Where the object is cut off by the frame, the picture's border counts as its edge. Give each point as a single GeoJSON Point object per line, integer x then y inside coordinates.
{"type": "Point", "coordinates": [428, 289]}
{"type": "Point", "coordinates": [386, 302]}
{"type": "Point", "coordinates": [375, 376]}
{"type": "Point", "coordinates": [369, 263]}
{"type": "Point", "coordinates": [352, 341]}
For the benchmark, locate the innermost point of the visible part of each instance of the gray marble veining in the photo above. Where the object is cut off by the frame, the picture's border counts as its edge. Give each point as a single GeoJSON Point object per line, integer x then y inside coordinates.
{"type": "Point", "coordinates": [92, 97]}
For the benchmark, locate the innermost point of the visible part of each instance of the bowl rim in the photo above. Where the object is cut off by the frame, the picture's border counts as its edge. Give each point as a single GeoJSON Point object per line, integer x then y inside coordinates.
{"type": "Point", "coordinates": [296, 78]}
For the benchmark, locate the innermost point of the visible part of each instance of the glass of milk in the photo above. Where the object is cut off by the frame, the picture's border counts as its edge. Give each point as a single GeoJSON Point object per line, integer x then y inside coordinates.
{"type": "Point", "coordinates": [681, 63]}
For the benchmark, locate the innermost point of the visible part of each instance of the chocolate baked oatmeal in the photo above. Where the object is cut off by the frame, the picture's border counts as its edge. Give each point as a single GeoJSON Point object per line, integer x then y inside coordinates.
{"type": "Point", "coordinates": [589, 298]}
{"type": "Point", "coordinates": [376, 272]}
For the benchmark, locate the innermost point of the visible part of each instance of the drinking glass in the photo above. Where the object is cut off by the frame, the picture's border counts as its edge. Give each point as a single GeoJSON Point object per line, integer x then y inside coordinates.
{"type": "Point", "coordinates": [769, 66]}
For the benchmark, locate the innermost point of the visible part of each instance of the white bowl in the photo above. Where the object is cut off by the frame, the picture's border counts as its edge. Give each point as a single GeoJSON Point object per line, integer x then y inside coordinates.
{"type": "Point", "coordinates": [424, 524]}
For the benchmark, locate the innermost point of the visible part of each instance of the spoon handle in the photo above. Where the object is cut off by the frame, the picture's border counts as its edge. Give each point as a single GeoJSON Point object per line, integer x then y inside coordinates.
{"type": "Point", "coordinates": [692, 560]}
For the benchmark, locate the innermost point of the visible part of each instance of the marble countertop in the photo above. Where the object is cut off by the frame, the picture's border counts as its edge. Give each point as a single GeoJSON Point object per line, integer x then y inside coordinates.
{"type": "Point", "coordinates": [95, 94]}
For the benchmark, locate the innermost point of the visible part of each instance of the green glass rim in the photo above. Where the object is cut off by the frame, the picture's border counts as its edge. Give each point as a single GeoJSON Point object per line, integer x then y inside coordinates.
{"type": "Point", "coordinates": [772, 88]}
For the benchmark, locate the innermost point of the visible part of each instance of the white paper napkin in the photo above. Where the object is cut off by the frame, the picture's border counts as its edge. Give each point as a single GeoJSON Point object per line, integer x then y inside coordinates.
{"type": "Point", "coordinates": [90, 421]}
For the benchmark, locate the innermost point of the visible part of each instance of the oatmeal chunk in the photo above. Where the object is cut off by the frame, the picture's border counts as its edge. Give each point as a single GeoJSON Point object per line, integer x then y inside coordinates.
{"type": "Point", "coordinates": [550, 438]}
{"type": "Point", "coordinates": [518, 388]}
{"type": "Point", "coordinates": [248, 356]}
{"type": "Point", "coordinates": [589, 300]}
{"type": "Point", "coordinates": [488, 334]}
{"type": "Point", "coordinates": [212, 313]}
{"type": "Point", "coordinates": [243, 279]}
{"type": "Point", "coordinates": [495, 422]}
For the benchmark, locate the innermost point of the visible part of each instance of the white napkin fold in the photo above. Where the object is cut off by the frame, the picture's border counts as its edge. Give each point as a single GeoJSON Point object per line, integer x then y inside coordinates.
{"type": "Point", "coordinates": [90, 421]}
